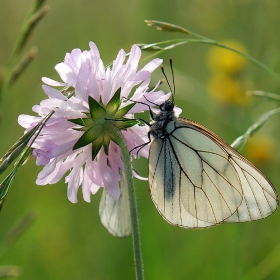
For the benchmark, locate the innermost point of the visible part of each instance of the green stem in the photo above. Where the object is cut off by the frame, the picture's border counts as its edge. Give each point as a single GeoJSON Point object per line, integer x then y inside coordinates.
{"type": "Point", "coordinates": [34, 17]}
{"type": "Point", "coordinates": [203, 40]}
{"type": "Point", "coordinates": [132, 202]}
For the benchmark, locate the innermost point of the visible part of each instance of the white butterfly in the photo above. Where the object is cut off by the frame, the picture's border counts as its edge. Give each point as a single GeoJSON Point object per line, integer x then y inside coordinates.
{"type": "Point", "coordinates": [197, 180]}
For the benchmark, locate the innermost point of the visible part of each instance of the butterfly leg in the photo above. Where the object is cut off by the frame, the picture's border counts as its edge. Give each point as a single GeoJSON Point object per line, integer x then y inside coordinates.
{"type": "Point", "coordinates": [143, 145]}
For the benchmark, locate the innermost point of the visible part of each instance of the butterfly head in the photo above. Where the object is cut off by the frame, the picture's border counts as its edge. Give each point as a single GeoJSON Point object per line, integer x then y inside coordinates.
{"type": "Point", "coordinates": [167, 106]}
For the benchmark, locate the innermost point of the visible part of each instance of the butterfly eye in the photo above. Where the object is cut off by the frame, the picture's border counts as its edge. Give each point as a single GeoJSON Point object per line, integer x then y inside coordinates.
{"type": "Point", "coordinates": [167, 106]}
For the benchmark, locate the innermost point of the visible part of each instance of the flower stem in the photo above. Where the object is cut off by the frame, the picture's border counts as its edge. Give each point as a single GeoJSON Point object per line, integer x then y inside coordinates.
{"type": "Point", "coordinates": [132, 203]}
{"type": "Point", "coordinates": [203, 40]}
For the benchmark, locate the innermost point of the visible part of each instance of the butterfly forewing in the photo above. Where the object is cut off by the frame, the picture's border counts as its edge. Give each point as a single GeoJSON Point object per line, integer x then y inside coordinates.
{"type": "Point", "coordinates": [164, 179]}
{"type": "Point", "coordinates": [198, 180]}
{"type": "Point", "coordinates": [115, 215]}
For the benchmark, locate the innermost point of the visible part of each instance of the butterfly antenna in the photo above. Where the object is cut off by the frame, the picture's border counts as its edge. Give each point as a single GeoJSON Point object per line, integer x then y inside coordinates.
{"type": "Point", "coordinates": [173, 79]}
{"type": "Point", "coordinates": [163, 72]}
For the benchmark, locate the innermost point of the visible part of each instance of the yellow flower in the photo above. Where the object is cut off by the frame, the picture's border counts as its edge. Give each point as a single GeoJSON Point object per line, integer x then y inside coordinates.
{"type": "Point", "coordinates": [226, 61]}
{"type": "Point", "coordinates": [260, 149]}
{"type": "Point", "coordinates": [226, 89]}
{"type": "Point", "coordinates": [227, 83]}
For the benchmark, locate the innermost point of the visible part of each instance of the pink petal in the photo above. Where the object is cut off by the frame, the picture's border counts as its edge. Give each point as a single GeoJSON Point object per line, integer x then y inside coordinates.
{"type": "Point", "coordinates": [53, 83]}
{"type": "Point", "coordinates": [66, 73]}
{"type": "Point", "coordinates": [82, 87]}
{"type": "Point", "coordinates": [134, 57]}
{"type": "Point", "coordinates": [152, 65]}
{"type": "Point", "coordinates": [53, 93]}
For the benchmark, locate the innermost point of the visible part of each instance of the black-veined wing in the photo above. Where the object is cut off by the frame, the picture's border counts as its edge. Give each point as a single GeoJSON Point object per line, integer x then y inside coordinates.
{"type": "Point", "coordinates": [197, 180]}
{"type": "Point", "coordinates": [115, 215]}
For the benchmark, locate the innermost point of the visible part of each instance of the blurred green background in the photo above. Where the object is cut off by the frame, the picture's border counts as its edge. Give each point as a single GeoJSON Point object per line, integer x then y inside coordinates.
{"type": "Point", "coordinates": [67, 241]}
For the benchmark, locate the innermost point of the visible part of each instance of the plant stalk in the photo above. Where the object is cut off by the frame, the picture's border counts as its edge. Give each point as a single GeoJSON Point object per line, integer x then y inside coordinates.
{"type": "Point", "coordinates": [132, 203]}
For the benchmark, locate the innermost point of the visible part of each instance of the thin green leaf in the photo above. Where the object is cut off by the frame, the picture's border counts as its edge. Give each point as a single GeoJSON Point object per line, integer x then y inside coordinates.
{"type": "Point", "coordinates": [29, 27]}
{"type": "Point", "coordinates": [113, 138]}
{"type": "Point", "coordinates": [24, 157]}
{"type": "Point", "coordinates": [22, 65]}
{"type": "Point", "coordinates": [89, 136]}
{"type": "Point", "coordinates": [21, 144]}
{"type": "Point", "coordinates": [269, 95]}
{"type": "Point", "coordinates": [88, 122]}
{"type": "Point", "coordinates": [80, 128]}
{"type": "Point", "coordinates": [96, 110]}
{"type": "Point", "coordinates": [96, 146]}
{"type": "Point", "coordinates": [149, 48]}
{"type": "Point", "coordinates": [115, 102]}
{"type": "Point", "coordinates": [5, 186]}
{"type": "Point", "coordinates": [241, 140]}
{"type": "Point", "coordinates": [38, 4]}
{"type": "Point", "coordinates": [106, 142]}
{"type": "Point", "coordinates": [165, 26]}
{"type": "Point", "coordinates": [124, 110]}
{"type": "Point", "coordinates": [2, 203]}
{"type": "Point", "coordinates": [67, 90]}
{"type": "Point", "coordinates": [126, 123]}
{"type": "Point", "coordinates": [79, 121]}
{"type": "Point", "coordinates": [202, 40]}
{"type": "Point", "coordinates": [10, 156]}
{"type": "Point", "coordinates": [16, 231]}
{"type": "Point", "coordinates": [26, 151]}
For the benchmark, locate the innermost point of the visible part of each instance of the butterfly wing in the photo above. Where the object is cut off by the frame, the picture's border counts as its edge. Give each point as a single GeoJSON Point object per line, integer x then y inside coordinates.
{"type": "Point", "coordinates": [115, 215]}
{"type": "Point", "coordinates": [197, 180]}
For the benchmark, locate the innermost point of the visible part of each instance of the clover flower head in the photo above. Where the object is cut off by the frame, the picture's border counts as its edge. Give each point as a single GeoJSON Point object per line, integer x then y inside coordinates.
{"type": "Point", "coordinates": [77, 139]}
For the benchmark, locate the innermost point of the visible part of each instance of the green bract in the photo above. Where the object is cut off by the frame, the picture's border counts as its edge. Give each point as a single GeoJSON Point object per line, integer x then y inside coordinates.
{"type": "Point", "coordinates": [97, 126]}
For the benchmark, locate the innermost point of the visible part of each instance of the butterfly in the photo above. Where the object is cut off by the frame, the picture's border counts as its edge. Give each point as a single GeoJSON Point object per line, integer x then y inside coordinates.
{"type": "Point", "coordinates": [197, 180]}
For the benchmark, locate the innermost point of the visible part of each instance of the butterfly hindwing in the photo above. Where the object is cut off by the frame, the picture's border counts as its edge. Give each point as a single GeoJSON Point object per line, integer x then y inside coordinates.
{"type": "Point", "coordinates": [260, 197]}
{"type": "Point", "coordinates": [115, 215]}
